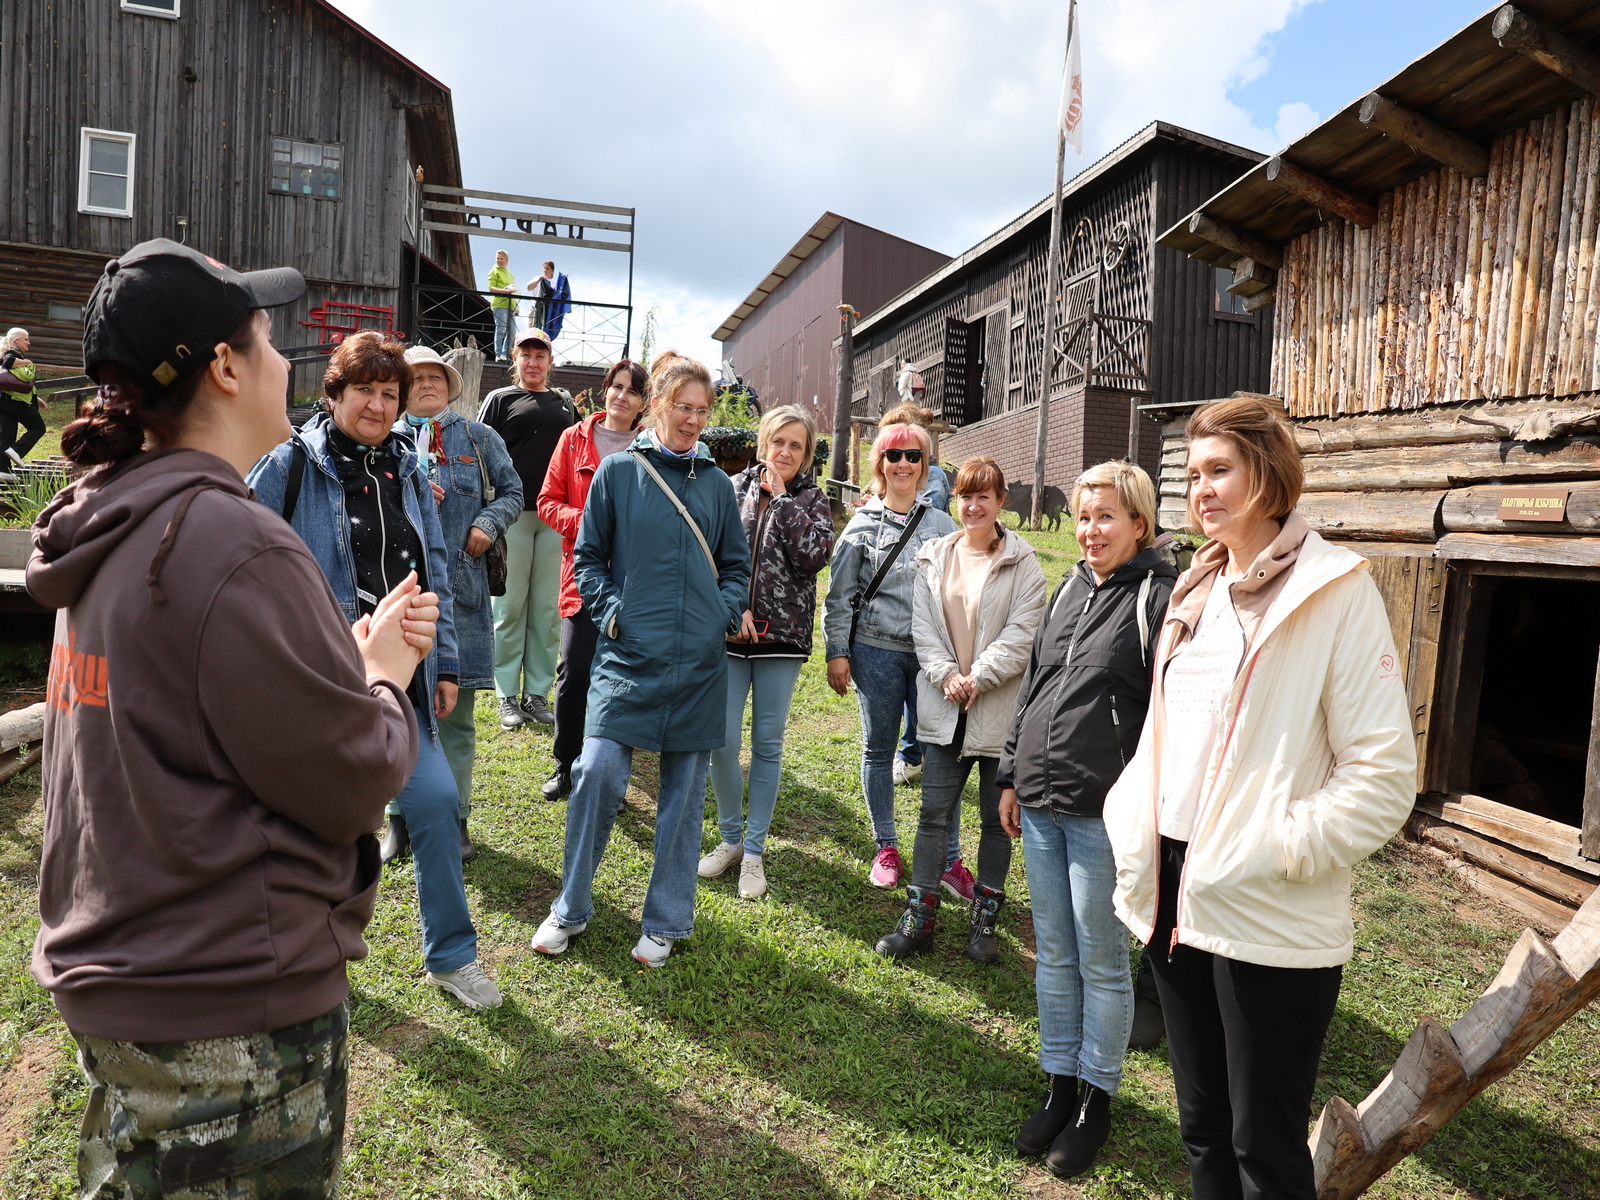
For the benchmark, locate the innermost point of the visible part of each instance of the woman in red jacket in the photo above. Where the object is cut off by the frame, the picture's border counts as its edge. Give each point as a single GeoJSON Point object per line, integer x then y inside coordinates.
{"type": "Point", "coordinates": [560, 505]}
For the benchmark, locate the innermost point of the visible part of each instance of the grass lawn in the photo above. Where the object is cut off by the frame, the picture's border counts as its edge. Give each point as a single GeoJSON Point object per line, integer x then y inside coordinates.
{"type": "Point", "coordinates": [776, 1055]}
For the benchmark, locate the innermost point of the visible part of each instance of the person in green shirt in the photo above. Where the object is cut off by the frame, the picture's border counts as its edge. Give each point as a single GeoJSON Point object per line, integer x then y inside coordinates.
{"type": "Point", "coordinates": [502, 305]}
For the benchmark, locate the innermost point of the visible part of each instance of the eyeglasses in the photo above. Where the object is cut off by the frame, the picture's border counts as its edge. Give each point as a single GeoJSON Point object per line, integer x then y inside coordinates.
{"type": "Point", "coordinates": [911, 456]}
{"type": "Point", "coordinates": [692, 412]}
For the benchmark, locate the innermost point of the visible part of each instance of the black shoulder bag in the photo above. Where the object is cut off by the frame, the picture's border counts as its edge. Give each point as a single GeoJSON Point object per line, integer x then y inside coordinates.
{"type": "Point", "coordinates": [494, 558]}
{"type": "Point", "coordinates": [864, 597]}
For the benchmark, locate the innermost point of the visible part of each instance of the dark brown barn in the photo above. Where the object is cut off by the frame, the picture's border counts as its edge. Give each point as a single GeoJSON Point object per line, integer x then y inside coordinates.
{"type": "Point", "coordinates": [1140, 325]}
{"type": "Point", "coordinates": [1433, 252]}
{"type": "Point", "coordinates": [781, 339]}
{"type": "Point", "coordinates": [263, 132]}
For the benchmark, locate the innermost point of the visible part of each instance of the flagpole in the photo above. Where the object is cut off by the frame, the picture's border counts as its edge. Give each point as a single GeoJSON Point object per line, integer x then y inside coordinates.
{"type": "Point", "coordinates": [1052, 287]}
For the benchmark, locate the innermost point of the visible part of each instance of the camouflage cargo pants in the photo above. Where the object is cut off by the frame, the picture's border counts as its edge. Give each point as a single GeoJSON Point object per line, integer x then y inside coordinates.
{"type": "Point", "coordinates": [236, 1118]}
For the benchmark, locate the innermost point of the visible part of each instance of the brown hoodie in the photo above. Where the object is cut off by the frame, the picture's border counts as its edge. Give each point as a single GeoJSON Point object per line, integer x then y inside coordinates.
{"type": "Point", "coordinates": [214, 760]}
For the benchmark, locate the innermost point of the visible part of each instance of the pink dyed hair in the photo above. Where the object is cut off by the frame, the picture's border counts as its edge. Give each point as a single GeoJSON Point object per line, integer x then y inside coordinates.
{"type": "Point", "coordinates": [895, 437]}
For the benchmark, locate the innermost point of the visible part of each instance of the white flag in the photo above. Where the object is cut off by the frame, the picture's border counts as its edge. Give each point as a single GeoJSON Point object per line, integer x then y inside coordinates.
{"type": "Point", "coordinates": [1072, 86]}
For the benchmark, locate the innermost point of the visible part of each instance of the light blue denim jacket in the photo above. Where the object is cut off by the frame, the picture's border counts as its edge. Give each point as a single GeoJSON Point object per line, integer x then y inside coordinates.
{"type": "Point", "coordinates": [319, 518]}
{"type": "Point", "coordinates": [463, 508]}
{"type": "Point", "coordinates": [857, 554]}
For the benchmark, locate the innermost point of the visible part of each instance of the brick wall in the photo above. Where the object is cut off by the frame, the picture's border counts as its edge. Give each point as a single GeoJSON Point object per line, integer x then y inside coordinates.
{"type": "Point", "coordinates": [1085, 428]}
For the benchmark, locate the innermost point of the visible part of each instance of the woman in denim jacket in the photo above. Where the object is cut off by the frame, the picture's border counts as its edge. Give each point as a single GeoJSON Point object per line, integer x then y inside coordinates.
{"type": "Point", "coordinates": [459, 456]}
{"type": "Point", "coordinates": [357, 496]}
{"type": "Point", "coordinates": [881, 658]}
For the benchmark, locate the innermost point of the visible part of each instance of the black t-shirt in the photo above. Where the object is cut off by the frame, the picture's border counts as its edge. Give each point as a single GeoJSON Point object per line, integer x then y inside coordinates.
{"type": "Point", "coordinates": [530, 424]}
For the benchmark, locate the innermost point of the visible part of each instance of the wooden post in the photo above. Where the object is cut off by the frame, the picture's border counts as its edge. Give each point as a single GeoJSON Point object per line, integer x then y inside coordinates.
{"type": "Point", "coordinates": [842, 425]}
{"type": "Point", "coordinates": [1251, 276]}
{"type": "Point", "coordinates": [1424, 136]}
{"type": "Point", "coordinates": [1133, 428]}
{"type": "Point", "coordinates": [416, 269]}
{"type": "Point", "coordinates": [1241, 244]}
{"type": "Point", "coordinates": [1314, 189]}
{"type": "Point", "coordinates": [1516, 30]}
{"type": "Point", "coordinates": [1052, 276]}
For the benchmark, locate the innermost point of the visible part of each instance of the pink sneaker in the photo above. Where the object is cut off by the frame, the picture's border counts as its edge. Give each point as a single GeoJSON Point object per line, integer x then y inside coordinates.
{"type": "Point", "coordinates": [958, 881]}
{"type": "Point", "coordinates": [886, 868]}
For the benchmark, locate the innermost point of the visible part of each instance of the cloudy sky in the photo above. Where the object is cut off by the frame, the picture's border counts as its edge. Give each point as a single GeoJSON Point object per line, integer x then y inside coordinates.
{"type": "Point", "coordinates": [731, 125]}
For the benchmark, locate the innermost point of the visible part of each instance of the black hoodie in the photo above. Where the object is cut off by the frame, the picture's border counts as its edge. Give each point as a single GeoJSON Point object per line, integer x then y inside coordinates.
{"type": "Point", "coordinates": [1087, 687]}
{"type": "Point", "coordinates": [214, 759]}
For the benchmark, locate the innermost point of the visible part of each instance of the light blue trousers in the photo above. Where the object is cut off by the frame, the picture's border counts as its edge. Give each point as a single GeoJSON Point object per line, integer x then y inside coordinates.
{"type": "Point", "coordinates": [768, 684]}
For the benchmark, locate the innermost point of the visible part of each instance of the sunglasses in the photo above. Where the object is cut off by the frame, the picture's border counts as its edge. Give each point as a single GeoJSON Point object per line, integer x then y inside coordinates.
{"type": "Point", "coordinates": [911, 456]}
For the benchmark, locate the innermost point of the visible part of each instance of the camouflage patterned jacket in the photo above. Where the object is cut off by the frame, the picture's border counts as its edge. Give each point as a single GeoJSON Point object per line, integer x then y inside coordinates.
{"type": "Point", "coordinates": [789, 544]}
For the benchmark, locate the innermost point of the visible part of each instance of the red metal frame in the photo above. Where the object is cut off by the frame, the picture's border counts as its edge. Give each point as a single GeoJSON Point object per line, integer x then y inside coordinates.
{"type": "Point", "coordinates": [334, 321]}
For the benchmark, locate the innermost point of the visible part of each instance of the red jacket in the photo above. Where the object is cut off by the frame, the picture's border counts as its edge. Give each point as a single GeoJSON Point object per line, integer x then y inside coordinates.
{"type": "Point", "coordinates": [566, 487]}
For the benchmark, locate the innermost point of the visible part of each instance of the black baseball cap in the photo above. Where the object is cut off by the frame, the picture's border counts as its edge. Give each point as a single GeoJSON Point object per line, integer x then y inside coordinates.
{"type": "Point", "coordinates": [161, 308]}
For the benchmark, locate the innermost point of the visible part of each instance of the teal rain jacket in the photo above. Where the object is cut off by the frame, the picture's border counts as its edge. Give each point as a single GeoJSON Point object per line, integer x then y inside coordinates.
{"type": "Point", "coordinates": [660, 674]}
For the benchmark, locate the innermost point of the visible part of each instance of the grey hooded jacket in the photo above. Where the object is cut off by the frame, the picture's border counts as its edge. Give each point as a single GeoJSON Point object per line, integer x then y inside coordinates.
{"type": "Point", "coordinates": [886, 620]}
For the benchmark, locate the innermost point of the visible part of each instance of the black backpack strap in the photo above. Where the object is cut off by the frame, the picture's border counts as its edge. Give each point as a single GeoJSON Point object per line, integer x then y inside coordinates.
{"type": "Point", "coordinates": [864, 597]}
{"type": "Point", "coordinates": [297, 473]}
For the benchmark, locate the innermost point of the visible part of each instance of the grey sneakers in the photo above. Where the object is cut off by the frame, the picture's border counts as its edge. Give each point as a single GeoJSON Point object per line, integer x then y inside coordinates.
{"type": "Point", "coordinates": [652, 951]}
{"type": "Point", "coordinates": [552, 936]}
{"type": "Point", "coordinates": [511, 713]}
{"type": "Point", "coordinates": [469, 985]}
{"type": "Point", "coordinates": [535, 709]}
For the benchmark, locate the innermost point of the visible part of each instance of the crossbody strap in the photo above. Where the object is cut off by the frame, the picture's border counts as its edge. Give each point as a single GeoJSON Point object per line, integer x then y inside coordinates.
{"type": "Point", "coordinates": [297, 473]}
{"type": "Point", "coordinates": [865, 596]}
{"type": "Point", "coordinates": [483, 471]}
{"type": "Point", "coordinates": [643, 461]}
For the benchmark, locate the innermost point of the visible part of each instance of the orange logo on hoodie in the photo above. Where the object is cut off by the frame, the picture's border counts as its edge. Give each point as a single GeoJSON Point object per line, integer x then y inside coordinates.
{"type": "Point", "coordinates": [75, 677]}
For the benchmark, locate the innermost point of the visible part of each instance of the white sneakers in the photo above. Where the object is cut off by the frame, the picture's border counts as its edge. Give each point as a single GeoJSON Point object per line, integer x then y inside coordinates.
{"type": "Point", "coordinates": [720, 859]}
{"type": "Point", "coordinates": [652, 951]}
{"type": "Point", "coordinates": [906, 774]}
{"type": "Point", "coordinates": [469, 985]}
{"type": "Point", "coordinates": [552, 936]}
{"type": "Point", "coordinates": [752, 878]}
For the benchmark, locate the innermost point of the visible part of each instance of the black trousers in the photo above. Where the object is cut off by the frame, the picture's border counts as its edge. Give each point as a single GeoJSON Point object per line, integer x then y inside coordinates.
{"type": "Point", "coordinates": [14, 412]}
{"type": "Point", "coordinates": [1244, 1041]}
{"type": "Point", "coordinates": [578, 637]}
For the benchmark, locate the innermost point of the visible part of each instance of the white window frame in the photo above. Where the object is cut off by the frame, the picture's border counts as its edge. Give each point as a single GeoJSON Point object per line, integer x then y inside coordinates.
{"type": "Point", "coordinates": [110, 135]}
{"type": "Point", "coordinates": [147, 10]}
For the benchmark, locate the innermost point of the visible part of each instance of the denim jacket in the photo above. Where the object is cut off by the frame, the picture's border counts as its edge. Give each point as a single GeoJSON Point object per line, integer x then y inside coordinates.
{"type": "Point", "coordinates": [860, 550]}
{"type": "Point", "coordinates": [319, 518]}
{"type": "Point", "coordinates": [461, 510]}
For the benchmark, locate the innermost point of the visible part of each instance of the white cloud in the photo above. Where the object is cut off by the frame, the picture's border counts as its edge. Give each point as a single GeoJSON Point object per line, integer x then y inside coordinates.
{"type": "Point", "coordinates": [1294, 118]}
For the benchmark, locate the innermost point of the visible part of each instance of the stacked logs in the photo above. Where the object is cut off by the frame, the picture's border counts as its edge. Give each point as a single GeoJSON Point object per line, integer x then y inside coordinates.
{"type": "Point", "coordinates": [1465, 289]}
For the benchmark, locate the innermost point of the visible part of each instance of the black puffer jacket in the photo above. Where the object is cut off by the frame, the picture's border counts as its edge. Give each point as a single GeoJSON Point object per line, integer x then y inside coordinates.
{"type": "Point", "coordinates": [1087, 687]}
{"type": "Point", "coordinates": [789, 544]}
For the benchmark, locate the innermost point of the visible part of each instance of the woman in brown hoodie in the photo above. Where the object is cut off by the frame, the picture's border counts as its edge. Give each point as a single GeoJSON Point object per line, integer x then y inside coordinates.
{"type": "Point", "coordinates": [218, 748]}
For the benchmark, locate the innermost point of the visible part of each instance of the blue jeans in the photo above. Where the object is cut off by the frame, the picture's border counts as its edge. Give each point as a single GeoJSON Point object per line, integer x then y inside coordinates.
{"type": "Point", "coordinates": [910, 748]}
{"type": "Point", "coordinates": [886, 680]}
{"type": "Point", "coordinates": [599, 781]}
{"type": "Point", "coordinates": [504, 321]}
{"type": "Point", "coordinates": [429, 804]}
{"type": "Point", "coordinates": [769, 684]}
{"type": "Point", "coordinates": [458, 737]}
{"type": "Point", "coordinates": [1084, 990]}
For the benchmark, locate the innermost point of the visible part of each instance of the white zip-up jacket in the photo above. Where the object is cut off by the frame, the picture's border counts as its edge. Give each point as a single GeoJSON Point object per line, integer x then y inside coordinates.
{"type": "Point", "coordinates": [1009, 612]}
{"type": "Point", "coordinates": [1313, 768]}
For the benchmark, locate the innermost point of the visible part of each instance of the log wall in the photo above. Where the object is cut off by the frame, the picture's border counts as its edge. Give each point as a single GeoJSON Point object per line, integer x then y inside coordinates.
{"type": "Point", "coordinates": [1465, 288]}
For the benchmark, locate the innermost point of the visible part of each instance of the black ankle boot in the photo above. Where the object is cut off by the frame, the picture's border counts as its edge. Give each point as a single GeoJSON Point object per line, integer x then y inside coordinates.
{"type": "Point", "coordinates": [1073, 1151]}
{"type": "Point", "coordinates": [914, 933]}
{"type": "Point", "coordinates": [559, 785]}
{"type": "Point", "coordinates": [1059, 1106]}
{"type": "Point", "coordinates": [468, 850]}
{"type": "Point", "coordinates": [396, 839]}
{"type": "Point", "coordinates": [982, 944]}
{"type": "Point", "coordinates": [1149, 1027]}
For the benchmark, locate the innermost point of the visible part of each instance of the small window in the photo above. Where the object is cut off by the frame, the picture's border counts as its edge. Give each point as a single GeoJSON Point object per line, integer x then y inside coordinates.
{"type": "Point", "coordinates": [1226, 301]}
{"type": "Point", "coordinates": [152, 8]}
{"type": "Point", "coordinates": [55, 311]}
{"type": "Point", "coordinates": [306, 168]}
{"type": "Point", "coordinates": [105, 173]}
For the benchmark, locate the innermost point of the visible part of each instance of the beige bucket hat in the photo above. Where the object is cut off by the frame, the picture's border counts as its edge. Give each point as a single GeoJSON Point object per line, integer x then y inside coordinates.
{"type": "Point", "coordinates": [418, 355]}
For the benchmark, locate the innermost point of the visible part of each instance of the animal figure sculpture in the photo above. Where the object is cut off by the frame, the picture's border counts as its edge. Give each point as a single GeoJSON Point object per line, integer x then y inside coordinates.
{"type": "Point", "coordinates": [1020, 501]}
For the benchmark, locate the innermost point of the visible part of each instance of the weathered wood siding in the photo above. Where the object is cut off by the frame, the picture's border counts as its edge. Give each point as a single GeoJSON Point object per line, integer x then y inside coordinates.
{"type": "Point", "coordinates": [1465, 288]}
{"type": "Point", "coordinates": [1198, 353]}
{"type": "Point", "coordinates": [286, 68]}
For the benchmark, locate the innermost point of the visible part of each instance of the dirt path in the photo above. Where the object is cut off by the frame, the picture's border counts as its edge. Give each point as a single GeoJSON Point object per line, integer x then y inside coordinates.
{"type": "Point", "coordinates": [23, 1088]}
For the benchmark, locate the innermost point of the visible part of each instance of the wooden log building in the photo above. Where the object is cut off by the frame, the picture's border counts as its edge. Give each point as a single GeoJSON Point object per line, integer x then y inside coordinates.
{"type": "Point", "coordinates": [1138, 324]}
{"type": "Point", "coordinates": [1430, 252]}
{"type": "Point", "coordinates": [263, 132]}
